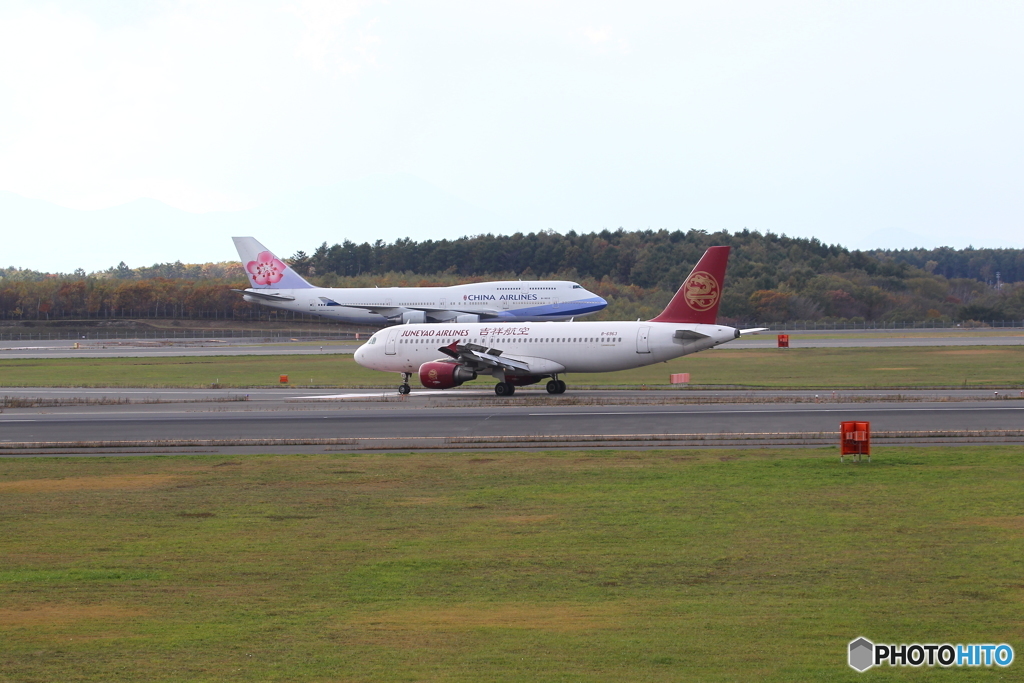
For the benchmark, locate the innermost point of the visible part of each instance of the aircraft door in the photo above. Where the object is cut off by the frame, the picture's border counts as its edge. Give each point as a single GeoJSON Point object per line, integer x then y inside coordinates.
{"type": "Point", "coordinates": [641, 340]}
{"type": "Point", "coordinates": [389, 348]}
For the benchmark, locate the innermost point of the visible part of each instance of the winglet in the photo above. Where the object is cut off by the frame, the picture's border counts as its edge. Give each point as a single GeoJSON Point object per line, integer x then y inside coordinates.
{"type": "Point", "coordinates": [700, 294]}
{"type": "Point", "coordinates": [450, 350]}
{"type": "Point", "coordinates": [265, 270]}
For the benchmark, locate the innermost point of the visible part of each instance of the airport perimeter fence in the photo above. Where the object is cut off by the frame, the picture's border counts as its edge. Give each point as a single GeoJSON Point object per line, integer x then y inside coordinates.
{"type": "Point", "coordinates": [186, 335]}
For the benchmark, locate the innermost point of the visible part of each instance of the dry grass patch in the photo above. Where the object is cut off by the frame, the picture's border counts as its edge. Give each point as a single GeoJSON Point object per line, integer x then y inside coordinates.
{"type": "Point", "coordinates": [60, 615]}
{"type": "Point", "coordinates": [425, 500]}
{"type": "Point", "coordinates": [1009, 523]}
{"type": "Point", "coordinates": [562, 618]}
{"type": "Point", "coordinates": [123, 481]}
{"type": "Point", "coordinates": [973, 352]}
{"type": "Point", "coordinates": [528, 519]}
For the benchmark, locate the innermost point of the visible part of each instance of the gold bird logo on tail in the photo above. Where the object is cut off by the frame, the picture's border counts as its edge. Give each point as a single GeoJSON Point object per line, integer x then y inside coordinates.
{"type": "Point", "coordinates": [701, 291]}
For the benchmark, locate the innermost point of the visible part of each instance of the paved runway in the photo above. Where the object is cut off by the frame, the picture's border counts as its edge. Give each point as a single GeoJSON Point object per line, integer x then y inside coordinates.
{"type": "Point", "coordinates": [277, 397]}
{"type": "Point", "coordinates": [242, 421]}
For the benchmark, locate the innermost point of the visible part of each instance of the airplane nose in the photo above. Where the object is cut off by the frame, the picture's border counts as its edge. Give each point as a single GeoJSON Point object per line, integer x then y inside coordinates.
{"type": "Point", "coordinates": [358, 355]}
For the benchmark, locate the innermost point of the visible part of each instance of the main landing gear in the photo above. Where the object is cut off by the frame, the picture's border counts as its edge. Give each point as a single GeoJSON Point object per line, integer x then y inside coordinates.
{"type": "Point", "coordinates": [555, 386]}
{"type": "Point", "coordinates": [405, 388]}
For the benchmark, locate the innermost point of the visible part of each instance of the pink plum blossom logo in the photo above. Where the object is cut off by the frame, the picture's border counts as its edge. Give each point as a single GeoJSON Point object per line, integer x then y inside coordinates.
{"type": "Point", "coordinates": [266, 269]}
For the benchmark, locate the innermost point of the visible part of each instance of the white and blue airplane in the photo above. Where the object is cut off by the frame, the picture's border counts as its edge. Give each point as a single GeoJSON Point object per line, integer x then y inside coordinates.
{"type": "Point", "coordinates": [273, 283]}
{"type": "Point", "coordinates": [521, 354]}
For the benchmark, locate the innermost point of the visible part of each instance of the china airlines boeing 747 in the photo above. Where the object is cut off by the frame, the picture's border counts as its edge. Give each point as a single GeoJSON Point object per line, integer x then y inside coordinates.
{"type": "Point", "coordinates": [522, 354]}
{"type": "Point", "coordinates": [273, 283]}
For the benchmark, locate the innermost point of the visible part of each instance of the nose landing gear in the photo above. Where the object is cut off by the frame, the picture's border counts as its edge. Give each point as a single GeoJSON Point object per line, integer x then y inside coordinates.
{"type": "Point", "coordinates": [405, 388]}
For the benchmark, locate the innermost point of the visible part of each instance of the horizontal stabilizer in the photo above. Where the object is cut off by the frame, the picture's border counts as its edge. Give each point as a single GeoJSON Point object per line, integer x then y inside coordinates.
{"type": "Point", "coordinates": [689, 335]}
{"type": "Point", "coordinates": [753, 330]}
{"type": "Point", "coordinates": [264, 296]}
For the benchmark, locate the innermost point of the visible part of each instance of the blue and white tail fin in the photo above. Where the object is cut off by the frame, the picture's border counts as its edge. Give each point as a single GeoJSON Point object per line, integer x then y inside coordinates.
{"type": "Point", "coordinates": [264, 270]}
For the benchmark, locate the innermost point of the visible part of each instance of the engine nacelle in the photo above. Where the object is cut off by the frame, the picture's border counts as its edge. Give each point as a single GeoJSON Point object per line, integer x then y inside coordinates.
{"type": "Point", "coordinates": [467, 318]}
{"type": "Point", "coordinates": [441, 375]}
{"type": "Point", "coordinates": [414, 317]}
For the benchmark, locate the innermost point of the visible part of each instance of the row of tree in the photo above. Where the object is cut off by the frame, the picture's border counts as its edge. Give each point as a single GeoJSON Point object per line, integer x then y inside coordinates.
{"type": "Point", "coordinates": [771, 278]}
{"type": "Point", "coordinates": [646, 258]}
{"type": "Point", "coordinates": [94, 297]}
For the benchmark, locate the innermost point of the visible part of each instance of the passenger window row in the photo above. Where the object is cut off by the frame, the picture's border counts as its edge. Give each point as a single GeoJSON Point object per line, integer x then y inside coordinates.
{"type": "Point", "coordinates": [545, 340]}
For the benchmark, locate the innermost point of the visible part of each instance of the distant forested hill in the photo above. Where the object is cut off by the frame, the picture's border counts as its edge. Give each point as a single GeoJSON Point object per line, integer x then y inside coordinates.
{"type": "Point", "coordinates": [771, 278]}
{"type": "Point", "coordinates": [979, 264]}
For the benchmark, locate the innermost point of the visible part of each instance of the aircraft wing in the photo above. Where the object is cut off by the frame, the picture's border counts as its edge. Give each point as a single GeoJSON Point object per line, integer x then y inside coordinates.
{"type": "Point", "coordinates": [265, 296]}
{"type": "Point", "coordinates": [480, 357]}
{"type": "Point", "coordinates": [382, 310]}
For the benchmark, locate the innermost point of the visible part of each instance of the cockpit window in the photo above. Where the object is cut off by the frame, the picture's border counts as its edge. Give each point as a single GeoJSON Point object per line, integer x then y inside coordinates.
{"type": "Point", "coordinates": [577, 286]}
{"type": "Point", "coordinates": [373, 340]}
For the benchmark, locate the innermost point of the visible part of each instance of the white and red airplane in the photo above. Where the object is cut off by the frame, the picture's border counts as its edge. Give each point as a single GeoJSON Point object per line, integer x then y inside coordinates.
{"type": "Point", "coordinates": [521, 354]}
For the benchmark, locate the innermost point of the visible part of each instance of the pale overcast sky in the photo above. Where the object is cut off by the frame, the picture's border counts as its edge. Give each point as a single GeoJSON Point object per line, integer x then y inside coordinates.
{"type": "Point", "coordinates": [840, 120]}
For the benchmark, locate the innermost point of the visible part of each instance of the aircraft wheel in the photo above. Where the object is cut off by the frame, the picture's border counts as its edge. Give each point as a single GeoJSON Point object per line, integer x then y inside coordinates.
{"type": "Point", "coordinates": [404, 389]}
{"type": "Point", "coordinates": [504, 389]}
{"type": "Point", "coordinates": [561, 387]}
{"type": "Point", "coordinates": [553, 387]}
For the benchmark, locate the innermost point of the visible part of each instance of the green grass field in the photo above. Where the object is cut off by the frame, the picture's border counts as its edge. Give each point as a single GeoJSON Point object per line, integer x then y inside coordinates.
{"type": "Point", "coordinates": [996, 366]}
{"type": "Point", "coordinates": [584, 566]}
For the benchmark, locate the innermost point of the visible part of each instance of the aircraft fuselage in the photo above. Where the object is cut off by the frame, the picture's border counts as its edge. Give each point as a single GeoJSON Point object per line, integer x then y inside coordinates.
{"type": "Point", "coordinates": [546, 348]}
{"type": "Point", "coordinates": [485, 301]}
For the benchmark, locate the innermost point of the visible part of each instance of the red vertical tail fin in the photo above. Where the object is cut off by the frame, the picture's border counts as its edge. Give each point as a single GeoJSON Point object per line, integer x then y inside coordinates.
{"type": "Point", "coordinates": [700, 294]}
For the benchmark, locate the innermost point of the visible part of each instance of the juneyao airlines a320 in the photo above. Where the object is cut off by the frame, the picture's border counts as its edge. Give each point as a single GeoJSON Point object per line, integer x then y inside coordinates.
{"type": "Point", "coordinates": [273, 283]}
{"type": "Point", "coordinates": [521, 354]}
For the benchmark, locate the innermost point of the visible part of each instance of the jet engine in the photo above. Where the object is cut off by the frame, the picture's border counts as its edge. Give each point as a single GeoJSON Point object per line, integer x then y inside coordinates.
{"type": "Point", "coordinates": [442, 375]}
{"type": "Point", "coordinates": [413, 317]}
{"type": "Point", "coordinates": [467, 318]}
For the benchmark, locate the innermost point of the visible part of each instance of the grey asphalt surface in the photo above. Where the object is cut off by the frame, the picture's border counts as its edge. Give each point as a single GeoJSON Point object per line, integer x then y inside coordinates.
{"type": "Point", "coordinates": [334, 420]}
{"type": "Point", "coordinates": [298, 413]}
{"type": "Point", "coordinates": [279, 397]}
